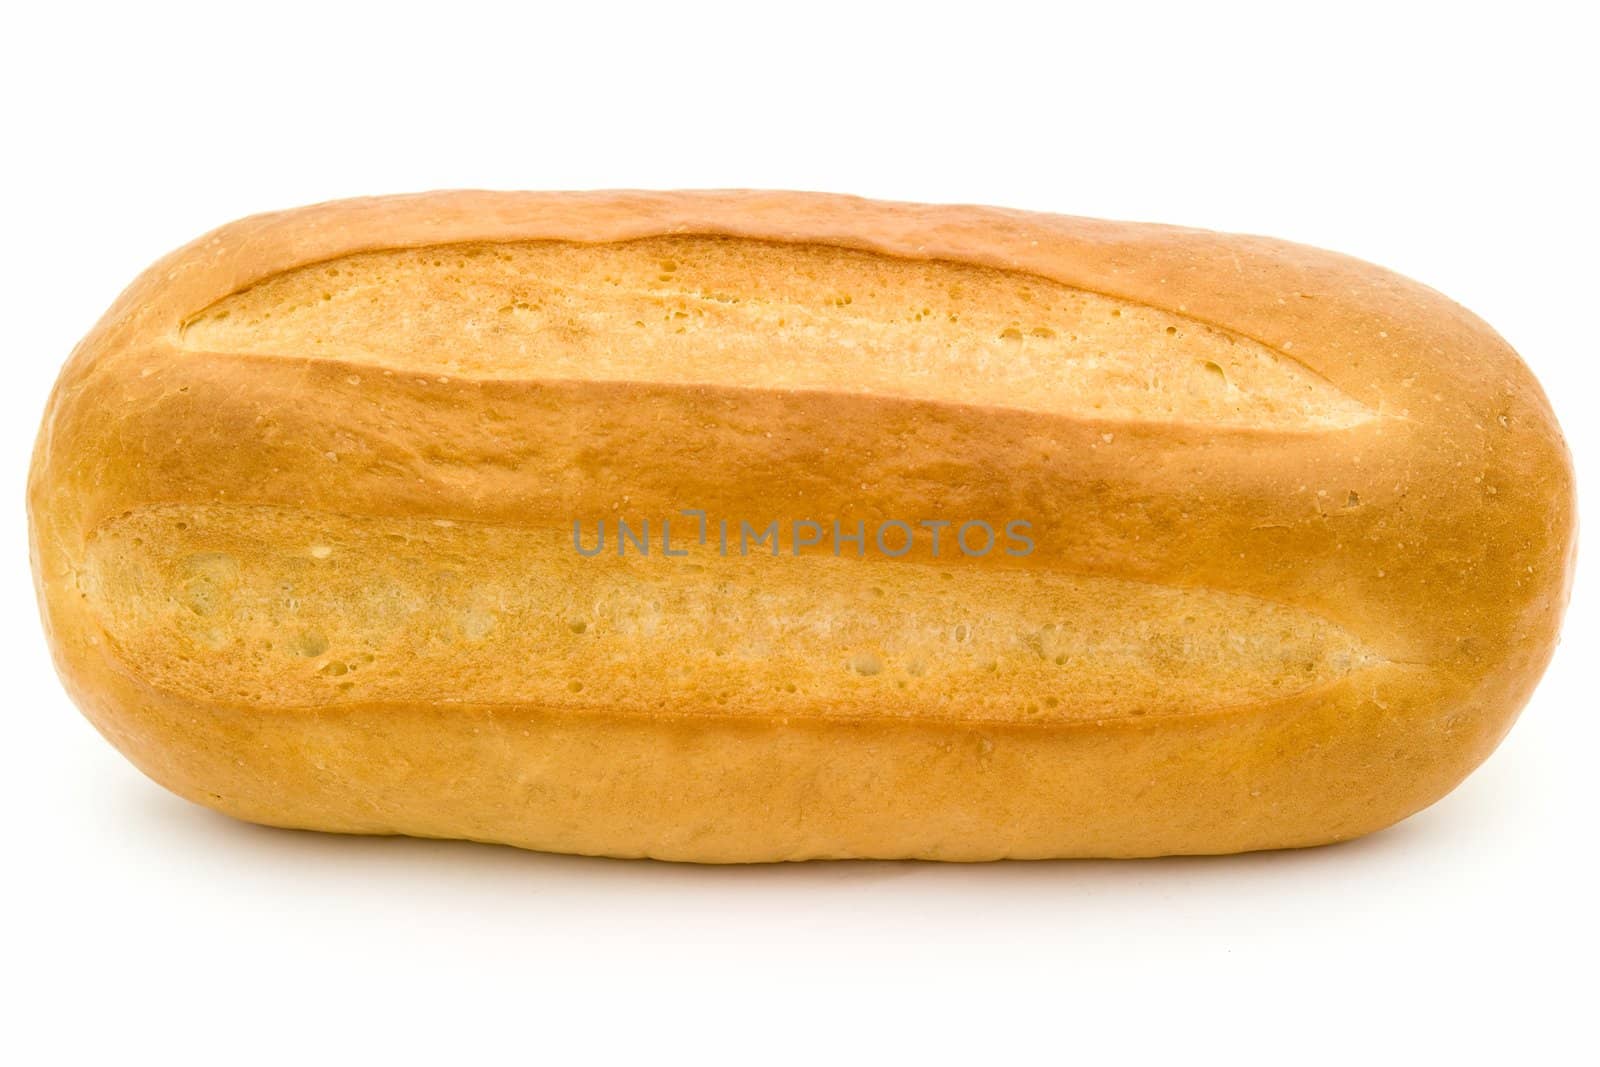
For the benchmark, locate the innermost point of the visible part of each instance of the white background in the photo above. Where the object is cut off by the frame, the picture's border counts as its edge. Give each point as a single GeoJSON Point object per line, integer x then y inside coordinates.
{"type": "Point", "coordinates": [1453, 146]}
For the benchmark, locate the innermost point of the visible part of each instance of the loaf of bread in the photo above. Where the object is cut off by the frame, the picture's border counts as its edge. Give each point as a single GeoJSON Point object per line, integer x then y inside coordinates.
{"type": "Point", "coordinates": [749, 526]}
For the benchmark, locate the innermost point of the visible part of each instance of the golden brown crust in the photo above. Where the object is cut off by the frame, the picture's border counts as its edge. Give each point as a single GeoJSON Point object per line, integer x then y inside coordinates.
{"type": "Point", "coordinates": [1437, 534]}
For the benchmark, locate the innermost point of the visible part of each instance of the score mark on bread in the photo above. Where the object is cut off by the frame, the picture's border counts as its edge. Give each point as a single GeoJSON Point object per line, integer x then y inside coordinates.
{"type": "Point", "coordinates": [295, 608]}
{"type": "Point", "coordinates": [717, 310]}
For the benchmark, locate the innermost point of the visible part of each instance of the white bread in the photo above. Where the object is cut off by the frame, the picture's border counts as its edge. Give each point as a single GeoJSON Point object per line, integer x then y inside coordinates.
{"type": "Point", "coordinates": [1299, 532]}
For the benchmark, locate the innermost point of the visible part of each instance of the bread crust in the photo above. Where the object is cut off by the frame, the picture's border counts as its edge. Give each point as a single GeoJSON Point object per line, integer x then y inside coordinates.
{"type": "Point", "coordinates": [1438, 533]}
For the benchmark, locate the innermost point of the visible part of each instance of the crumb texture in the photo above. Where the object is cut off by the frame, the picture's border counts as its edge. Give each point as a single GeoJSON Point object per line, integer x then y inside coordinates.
{"type": "Point", "coordinates": [733, 311]}
{"type": "Point", "coordinates": [281, 607]}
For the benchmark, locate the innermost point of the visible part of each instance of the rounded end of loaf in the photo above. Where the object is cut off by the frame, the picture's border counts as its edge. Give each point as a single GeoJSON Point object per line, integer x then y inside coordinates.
{"type": "Point", "coordinates": [1502, 554]}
